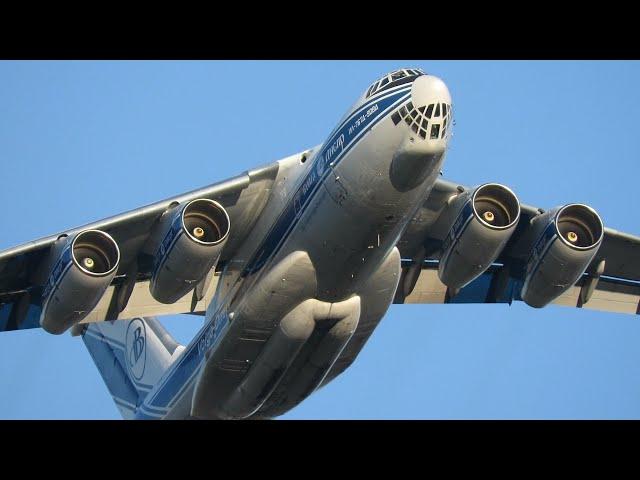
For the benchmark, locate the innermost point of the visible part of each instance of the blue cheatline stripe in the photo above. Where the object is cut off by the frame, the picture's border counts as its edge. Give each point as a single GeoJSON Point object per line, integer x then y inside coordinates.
{"type": "Point", "coordinates": [57, 272]}
{"type": "Point", "coordinates": [208, 339]}
{"type": "Point", "coordinates": [184, 387]}
{"type": "Point", "coordinates": [399, 82]}
{"type": "Point", "coordinates": [365, 106]}
{"type": "Point", "coordinates": [55, 287]}
{"type": "Point", "coordinates": [183, 372]}
{"type": "Point", "coordinates": [459, 226]}
{"type": "Point", "coordinates": [347, 138]}
{"type": "Point", "coordinates": [175, 232]}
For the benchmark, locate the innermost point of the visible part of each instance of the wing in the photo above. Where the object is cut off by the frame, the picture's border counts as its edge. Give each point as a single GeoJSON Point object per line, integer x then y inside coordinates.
{"type": "Point", "coordinates": [22, 281]}
{"type": "Point", "coordinates": [611, 281]}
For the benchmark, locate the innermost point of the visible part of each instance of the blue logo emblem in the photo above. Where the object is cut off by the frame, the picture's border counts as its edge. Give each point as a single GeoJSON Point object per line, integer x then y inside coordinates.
{"type": "Point", "coordinates": [136, 353]}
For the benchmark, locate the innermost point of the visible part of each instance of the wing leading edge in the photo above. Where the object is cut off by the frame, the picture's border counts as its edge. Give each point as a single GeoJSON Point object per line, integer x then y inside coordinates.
{"type": "Point", "coordinates": [21, 272]}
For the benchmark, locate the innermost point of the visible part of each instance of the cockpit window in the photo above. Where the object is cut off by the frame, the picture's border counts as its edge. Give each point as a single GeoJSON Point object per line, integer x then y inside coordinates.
{"type": "Point", "coordinates": [425, 120]}
{"type": "Point", "coordinates": [371, 89]}
{"type": "Point", "coordinates": [429, 111]}
{"type": "Point", "coordinates": [393, 79]}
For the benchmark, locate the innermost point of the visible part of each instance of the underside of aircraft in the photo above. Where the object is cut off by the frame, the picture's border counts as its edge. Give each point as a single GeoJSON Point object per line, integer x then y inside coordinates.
{"type": "Point", "coordinates": [294, 264]}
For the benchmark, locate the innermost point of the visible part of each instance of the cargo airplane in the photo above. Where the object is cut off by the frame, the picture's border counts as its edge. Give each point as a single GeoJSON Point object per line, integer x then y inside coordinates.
{"type": "Point", "coordinates": [294, 264]}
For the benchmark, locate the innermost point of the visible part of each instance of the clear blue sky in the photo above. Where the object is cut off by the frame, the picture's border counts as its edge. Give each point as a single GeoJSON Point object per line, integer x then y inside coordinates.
{"type": "Point", "coordinates": [80, 141]}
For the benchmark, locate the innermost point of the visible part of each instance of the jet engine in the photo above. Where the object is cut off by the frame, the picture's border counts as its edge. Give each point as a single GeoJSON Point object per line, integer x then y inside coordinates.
{"type": "Point", "coordinates": [566, 241]}
{"type": "Point", "coordinates": [192, 239]}
{"type": "Point", "coordinates": [481, 222]}
{"type": "Point", "coordinates": [79, 277]}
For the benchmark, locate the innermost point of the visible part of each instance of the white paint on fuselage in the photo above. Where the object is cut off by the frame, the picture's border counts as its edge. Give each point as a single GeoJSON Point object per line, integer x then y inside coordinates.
{"type": "Point", "coordinates": [348, 226]}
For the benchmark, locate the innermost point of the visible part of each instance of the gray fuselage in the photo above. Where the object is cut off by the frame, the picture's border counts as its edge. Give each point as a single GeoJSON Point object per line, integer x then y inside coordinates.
{"type": "Point", "coordinates": [343, 206]}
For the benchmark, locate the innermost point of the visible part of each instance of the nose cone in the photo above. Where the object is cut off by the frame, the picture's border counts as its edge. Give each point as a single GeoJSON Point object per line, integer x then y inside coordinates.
{"type": "Point", "coordinates": [428, 89]}
{"type": "Point", "coordinates": [428, 118]}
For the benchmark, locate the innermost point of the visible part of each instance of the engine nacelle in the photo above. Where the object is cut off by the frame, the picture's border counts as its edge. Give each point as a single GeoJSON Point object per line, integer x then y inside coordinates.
{"type": "Point", "coordinates": [566, 241]}
{"type": "Point", "coordinates": [481, 222]}
{"type": "Point", "coordinates": [78, 279]}
{"type": "Point", "coordinates": [192, 240]}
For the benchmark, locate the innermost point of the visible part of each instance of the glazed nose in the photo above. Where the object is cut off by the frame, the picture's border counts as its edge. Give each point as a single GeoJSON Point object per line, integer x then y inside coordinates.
{"type": "Point", "coordinates": [430, 108]}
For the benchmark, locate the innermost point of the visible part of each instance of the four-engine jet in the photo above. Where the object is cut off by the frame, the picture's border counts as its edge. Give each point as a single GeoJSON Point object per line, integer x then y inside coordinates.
{"type": "Point", "coordinates": [295, 263]}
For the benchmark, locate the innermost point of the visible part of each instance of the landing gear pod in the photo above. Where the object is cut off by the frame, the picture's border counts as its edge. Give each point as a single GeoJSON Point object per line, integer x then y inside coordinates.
{"type": "Point", "coordinates": [482, 221]}
{"type": "Point", "coordinates": [83, 271]}
{"type": "Point", "coordinates": [567, 240]}
{"type": "Point", "coordinates": [192, 240]}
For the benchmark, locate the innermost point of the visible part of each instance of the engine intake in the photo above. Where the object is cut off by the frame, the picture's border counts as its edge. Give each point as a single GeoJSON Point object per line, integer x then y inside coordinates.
{"type": "Point", "coordinates": [481, 223]}
{"type": "Point", "coordinates": [568, 238]}
{"type": "Point", "coordinates": [496, 206]}
{"type": "Point", "coordinates": [192, 239]}
{"type": "Point", "coordinates": [79, 277]}
{"type": "Point", "coordinates": [579, 226]}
